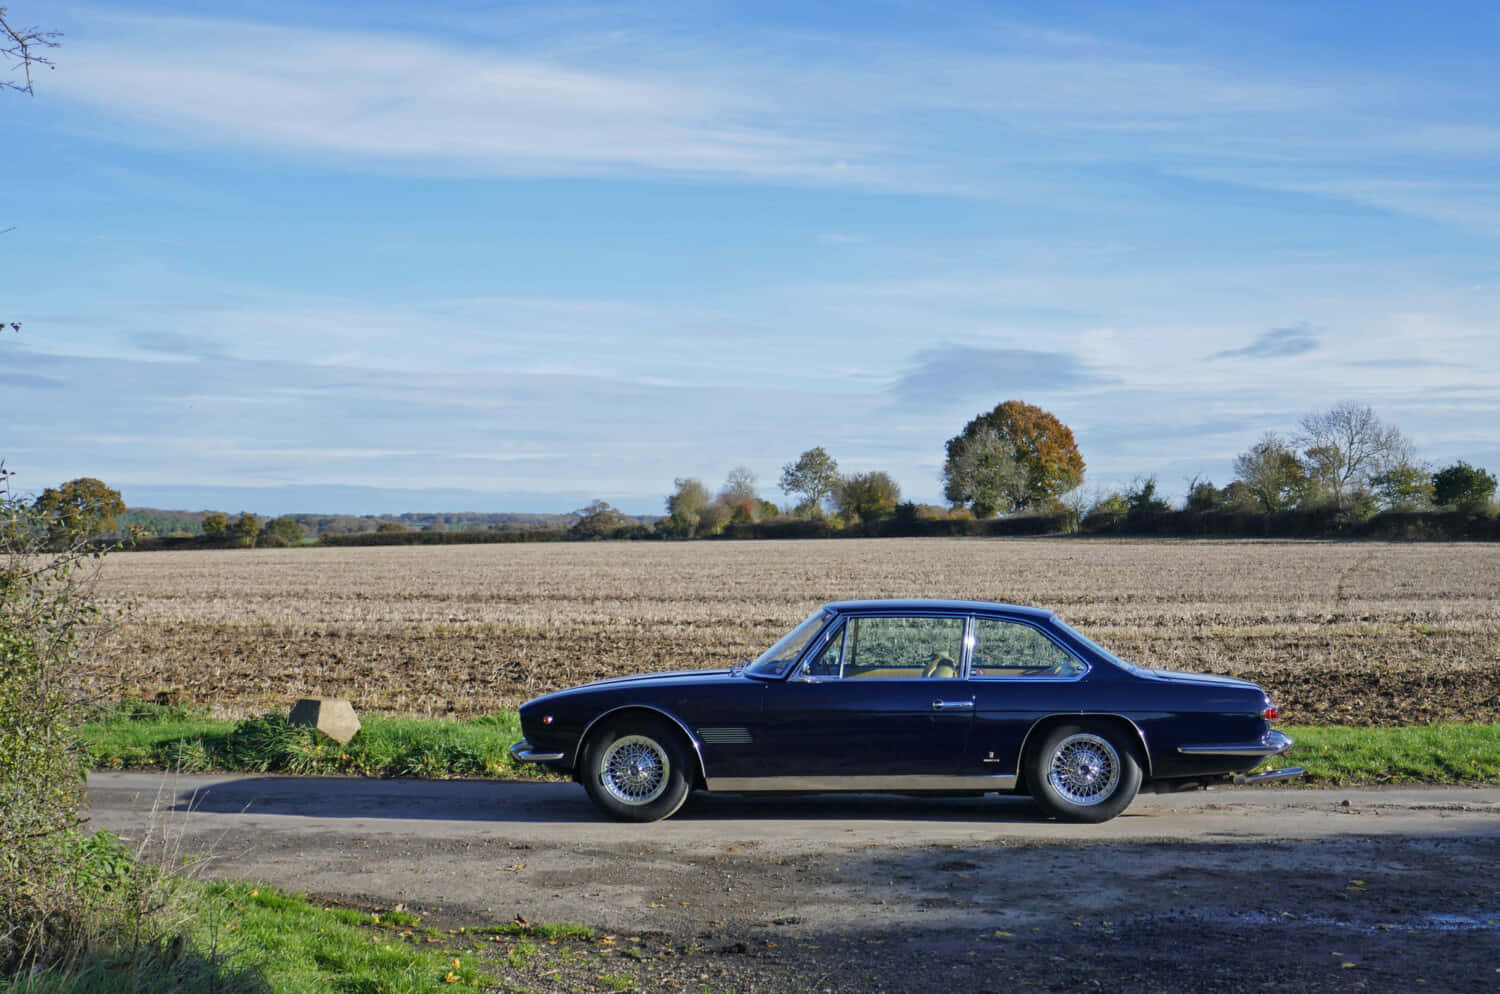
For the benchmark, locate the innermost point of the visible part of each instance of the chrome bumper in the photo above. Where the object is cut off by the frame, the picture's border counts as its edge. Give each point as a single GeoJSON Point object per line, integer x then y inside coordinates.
{"type": "Point", "coordinates": [1268, 775]}
{"type": "Point", "coordinates": [522, 752]}
{"type": "Point", "coordinates": [1274, 744]}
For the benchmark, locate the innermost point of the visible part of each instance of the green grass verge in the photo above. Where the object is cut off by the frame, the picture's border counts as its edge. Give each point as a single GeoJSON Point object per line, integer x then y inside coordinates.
{"type": "Point", "coordinates": [299, 946]}
{"type": "Point", "coordinates": [237, 938]}
{"type": "Point", "coordinates": [137, 735]}
{"type": "Point", "coordinates": [1420, 754]}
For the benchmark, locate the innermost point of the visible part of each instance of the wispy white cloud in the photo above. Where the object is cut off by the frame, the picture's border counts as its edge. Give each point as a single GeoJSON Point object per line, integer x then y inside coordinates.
{"type": "Point", "coordinates": [593, 94]}
{"type": "Point", "coordinates": [1450, 200]}
{"type": "Point", "coordinates": [1278, 343]}
{"type": "Point", "coordinates": [976, 375]}
{"type": "Point", "coordinates": [392, 99]}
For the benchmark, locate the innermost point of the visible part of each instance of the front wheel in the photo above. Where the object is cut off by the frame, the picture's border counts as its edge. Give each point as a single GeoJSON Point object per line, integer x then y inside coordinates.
{"type": "Point", "coordinates": [636, 769]}
{"type": "Point", "coordinates": [1083, 772]}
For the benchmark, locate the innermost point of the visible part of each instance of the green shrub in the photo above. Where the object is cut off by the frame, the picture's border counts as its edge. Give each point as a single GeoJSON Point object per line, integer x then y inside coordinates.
{"type": "Point", "coordinates": [1106, 513]}
{"type": "Point", "coordinates": [1461, 485]}
{"type": "Point", "coordinates": [46, 612]}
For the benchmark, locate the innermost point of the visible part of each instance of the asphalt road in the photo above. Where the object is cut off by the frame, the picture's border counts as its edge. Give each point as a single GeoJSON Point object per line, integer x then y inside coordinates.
{"type": "Point", "coordinates": [522, 811]}
{"type": "Point", "coordinates": [1402, 885]}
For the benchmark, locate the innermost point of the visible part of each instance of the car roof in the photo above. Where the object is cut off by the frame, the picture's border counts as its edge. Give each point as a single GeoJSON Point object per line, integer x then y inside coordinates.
{"type": "Point", "coordinates": [936, 604]}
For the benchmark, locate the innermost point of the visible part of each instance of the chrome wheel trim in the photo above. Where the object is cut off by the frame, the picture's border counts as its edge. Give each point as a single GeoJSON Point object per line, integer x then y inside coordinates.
{"type": "Point", "coordinates": [1084, 769]}
{"type": "Point", "coordinates": [635, 770]}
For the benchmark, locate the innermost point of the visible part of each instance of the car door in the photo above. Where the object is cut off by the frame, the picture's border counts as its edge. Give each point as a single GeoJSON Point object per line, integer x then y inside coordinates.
{"type": "Point", "coordinates": [1017, 674]}
{"type": "Point", "coordinates": [879, 704]}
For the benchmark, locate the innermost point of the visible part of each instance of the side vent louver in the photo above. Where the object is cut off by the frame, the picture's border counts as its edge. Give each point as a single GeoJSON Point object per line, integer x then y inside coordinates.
{"type": "Point", "coordinates": [724, 736]}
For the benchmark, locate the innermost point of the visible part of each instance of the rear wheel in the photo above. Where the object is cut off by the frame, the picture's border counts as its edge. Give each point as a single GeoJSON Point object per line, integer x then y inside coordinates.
{"type": "Point", "coordinates": [636, 769]}
{"type": "Point", "coordinates": [1083, 772]}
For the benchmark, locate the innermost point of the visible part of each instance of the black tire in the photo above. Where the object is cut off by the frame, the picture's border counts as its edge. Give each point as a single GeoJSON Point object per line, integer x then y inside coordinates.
{"type": "Point", "coordinates": [637, 769]}
{"type": "Point", "coordinates": [1085, 771]}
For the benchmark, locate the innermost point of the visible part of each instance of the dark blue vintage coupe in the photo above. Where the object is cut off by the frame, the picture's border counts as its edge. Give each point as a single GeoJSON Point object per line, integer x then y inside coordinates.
{"type": "Point", "coordinates": [909, 696]}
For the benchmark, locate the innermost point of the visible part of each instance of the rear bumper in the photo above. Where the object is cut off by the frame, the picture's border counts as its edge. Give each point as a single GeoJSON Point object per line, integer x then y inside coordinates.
{"type": "Point", "coordinates": [1267, 776]}
{"type": "Point", "coordinates": [522, 752]}
{"type": "Point", "coordinates": [1273, 744]}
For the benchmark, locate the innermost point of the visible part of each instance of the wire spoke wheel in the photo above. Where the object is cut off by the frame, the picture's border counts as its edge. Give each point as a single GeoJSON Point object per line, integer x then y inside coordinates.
{"type": "Point", "coordinates": [1084, 769]}
{"type": "Point", "coordinates": [635, 770]}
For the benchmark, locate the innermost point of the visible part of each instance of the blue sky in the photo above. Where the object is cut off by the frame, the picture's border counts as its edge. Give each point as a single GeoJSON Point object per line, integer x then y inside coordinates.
{"type": "Point", "coordinates": [376, 257]}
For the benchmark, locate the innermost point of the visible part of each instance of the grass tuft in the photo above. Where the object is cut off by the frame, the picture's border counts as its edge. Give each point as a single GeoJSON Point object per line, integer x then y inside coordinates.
{"type": "Point", "coordinates": [141, 735]}
{"type": "Point", "coordinates": [241, 938]}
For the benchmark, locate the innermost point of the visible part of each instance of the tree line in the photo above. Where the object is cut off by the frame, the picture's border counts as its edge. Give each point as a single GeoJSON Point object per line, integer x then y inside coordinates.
{"type": "Point", "coordinates": [1015, 469]}
{"type": "Point", "coordinates": [1338, 469]}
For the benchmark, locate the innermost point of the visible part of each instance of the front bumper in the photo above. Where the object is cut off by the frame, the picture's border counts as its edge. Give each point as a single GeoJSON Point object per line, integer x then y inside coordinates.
{"type": "Point", "coordinates": [522, 752]}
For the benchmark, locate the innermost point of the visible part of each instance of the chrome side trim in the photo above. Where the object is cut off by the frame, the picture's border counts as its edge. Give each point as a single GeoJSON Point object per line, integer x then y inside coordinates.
{"type": "Point", "coordinates": [1034, 679]}
{"type": "Point", "coordinates": [692, 739]}
{"type": "Point", "coordinates": [868, 784]}
{"type": "Point", "coordinates": [521, 752]}
{"type": "Point", "coordinates": [1274, 744]}
{"type": "Point", "coordinates": [1140, 735]}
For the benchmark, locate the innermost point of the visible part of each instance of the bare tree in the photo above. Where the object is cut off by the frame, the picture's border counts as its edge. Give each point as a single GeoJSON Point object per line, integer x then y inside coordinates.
{"type": "Point", "coordinates": [738, 496]}
{"type": "Point", "coordinates": [1347, 446]}
{"type": "Point", "coordinates": [22, 47]}
{"type": "Point", "coordinates": [738, 486]}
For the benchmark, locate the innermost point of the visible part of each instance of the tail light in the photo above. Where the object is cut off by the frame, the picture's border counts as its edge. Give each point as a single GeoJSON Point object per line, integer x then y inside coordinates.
{"type": "Point", "coordinates": [1271, 713]}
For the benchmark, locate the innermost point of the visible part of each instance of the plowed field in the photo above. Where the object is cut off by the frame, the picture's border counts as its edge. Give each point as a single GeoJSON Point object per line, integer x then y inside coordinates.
{"type": "Point", "coordinates": [1340, 633]}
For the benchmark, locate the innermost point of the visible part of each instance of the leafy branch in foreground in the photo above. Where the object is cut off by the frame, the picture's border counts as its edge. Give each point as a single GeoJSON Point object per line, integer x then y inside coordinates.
{"type": "Point", "coordinates": [48, 617]}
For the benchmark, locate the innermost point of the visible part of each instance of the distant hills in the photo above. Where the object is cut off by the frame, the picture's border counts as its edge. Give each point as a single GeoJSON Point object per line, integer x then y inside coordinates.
{"type": "Point", "coordinates": [164, 523]}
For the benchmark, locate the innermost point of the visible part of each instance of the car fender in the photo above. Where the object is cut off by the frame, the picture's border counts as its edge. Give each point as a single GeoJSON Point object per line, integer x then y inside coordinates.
{"type": "Point", "coordinates": [1140, 735]}
{"type": "Point", "coordinates": [654, 709]}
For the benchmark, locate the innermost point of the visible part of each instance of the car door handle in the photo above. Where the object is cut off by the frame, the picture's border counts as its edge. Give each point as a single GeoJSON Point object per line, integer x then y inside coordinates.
{"type": "Point", "coordinates": [952, 705]}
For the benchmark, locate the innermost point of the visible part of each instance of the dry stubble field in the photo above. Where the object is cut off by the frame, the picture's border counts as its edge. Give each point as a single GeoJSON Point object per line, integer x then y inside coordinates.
{"type": "Point", "coordinates": [1341, 633]}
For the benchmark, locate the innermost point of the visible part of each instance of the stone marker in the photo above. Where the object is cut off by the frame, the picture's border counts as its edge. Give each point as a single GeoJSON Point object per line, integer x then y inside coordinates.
{"type": "Point", "coordinates": [332, 716]}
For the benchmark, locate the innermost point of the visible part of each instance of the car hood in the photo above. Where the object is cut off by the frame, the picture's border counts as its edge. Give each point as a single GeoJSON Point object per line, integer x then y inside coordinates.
{"type": "Point", "coordinates": [1201, 679]}
{"type": "Point", "coordinates": [659, 679]}
{"type": "Point", "coordinates": [645, 680]}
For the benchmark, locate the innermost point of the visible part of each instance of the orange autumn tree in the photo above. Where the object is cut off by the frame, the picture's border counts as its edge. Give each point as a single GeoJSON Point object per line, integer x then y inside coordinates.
{"type": "Point", "coordinates": [1016, 456]}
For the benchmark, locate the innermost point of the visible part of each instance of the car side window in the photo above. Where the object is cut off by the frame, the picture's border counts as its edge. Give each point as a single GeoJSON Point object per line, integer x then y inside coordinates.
{"type": "Point", "coordinates": [1010, 649]}
{"type": "Point", "coordinates": [902, 648]}
{"type": "Point", "coordinates": [826, 663]}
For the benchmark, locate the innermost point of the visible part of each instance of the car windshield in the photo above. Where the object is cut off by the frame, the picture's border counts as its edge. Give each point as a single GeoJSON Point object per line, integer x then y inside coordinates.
{"type": "Point", "coordinates": [776, 660]}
